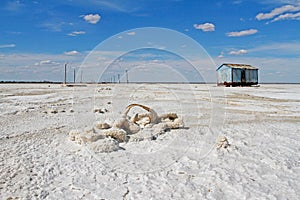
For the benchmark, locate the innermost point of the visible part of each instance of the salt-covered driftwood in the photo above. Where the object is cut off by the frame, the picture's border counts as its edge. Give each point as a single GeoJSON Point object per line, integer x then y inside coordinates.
{"type": "Point", "coordinates": [142, 126]}
{"type": "Point", "coordinates": [222, 142]}
{"type": "Point", "coordinates": [118, 134]}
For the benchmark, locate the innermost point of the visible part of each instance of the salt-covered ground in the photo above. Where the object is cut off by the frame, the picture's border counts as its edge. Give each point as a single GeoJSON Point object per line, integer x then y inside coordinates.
{"type": "Point", "coordinates": [262, 125]}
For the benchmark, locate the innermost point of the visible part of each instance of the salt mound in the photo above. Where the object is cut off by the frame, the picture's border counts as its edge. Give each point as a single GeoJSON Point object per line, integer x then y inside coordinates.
{"type": "Point", "coordinates": [88, 136]}
{"type": "Point", "coordinates": [106, 145]}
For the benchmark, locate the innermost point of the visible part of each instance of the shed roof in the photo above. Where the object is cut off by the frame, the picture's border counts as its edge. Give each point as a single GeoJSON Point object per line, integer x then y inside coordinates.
{"type": "Point", "coordinates": [239, 66]}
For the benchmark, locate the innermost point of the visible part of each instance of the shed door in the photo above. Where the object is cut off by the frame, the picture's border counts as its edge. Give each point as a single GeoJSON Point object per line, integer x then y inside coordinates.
{"type": "Point", "coordinates": [243, 76]}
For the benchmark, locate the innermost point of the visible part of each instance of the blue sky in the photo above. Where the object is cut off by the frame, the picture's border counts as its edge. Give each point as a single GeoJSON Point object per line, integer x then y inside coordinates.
{"type": "Point", "coordinates": [38, 37]}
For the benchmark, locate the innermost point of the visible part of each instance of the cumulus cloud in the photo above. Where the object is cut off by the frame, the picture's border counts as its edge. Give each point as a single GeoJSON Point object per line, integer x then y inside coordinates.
{"type": "Point", "coordinates": [242, 33]}
{"type": "Point", "coordinates": [131, 33]}
{"type": "Point", "coordinates": [7, 45]}
{"type": "Point", "coordinates": [205, 27]}
{"type": "Point", "coordinates": [75, 33]}
{"type": "Point", "coordinates": [278, 11]}
{"type": "Point", "coordinates": [71, 53]}
{"type": "Point", "coordinates": [92, 18]}
{"type": "Point", "coordinates": [239, 52]}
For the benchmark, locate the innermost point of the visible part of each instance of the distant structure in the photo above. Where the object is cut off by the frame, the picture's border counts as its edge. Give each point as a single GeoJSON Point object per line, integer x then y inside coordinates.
{"type": "Point", "coordinates": [74, 76]}
{"type": "Point", "coordinates": [237, 75]}
{"type": "Point", "coordinates": [127, 80]}
{"type": "Point", "coordinates": [65, 74]}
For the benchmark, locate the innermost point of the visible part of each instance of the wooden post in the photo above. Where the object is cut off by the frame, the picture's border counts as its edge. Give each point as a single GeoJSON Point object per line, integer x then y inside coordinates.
{"type": "Point", "coordinates": [65, 79]}
{"type": "Point", "coordinates": [74, 75]}
{"type": "Point", "coordinates": [126, 76]}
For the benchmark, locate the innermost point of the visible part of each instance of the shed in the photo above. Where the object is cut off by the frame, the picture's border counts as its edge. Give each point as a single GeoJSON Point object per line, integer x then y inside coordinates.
{"type": "Point", "coordinates": [237, 75]}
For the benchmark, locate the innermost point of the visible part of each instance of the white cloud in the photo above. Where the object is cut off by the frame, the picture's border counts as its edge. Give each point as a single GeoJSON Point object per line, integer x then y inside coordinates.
{"type": "Point", "coordinates": [278, 2]}
{"type": "Point", "coordinates": [239, 52]}
{"type": "Point", "coordinates": [205, 27]}
{"type": "Point", "coordinates": [242, 33]}
{"type": "Point", "coordinates": [75, 33]}
{"type": "Point", "coordinates": [92, 18]}
{"type": "Point", "coordinates": [131, 33]}
{"type": "Point", "coordinates": [7, 45]}
{"type": "Point", "coordinates": [291, 16]}
{"type": "Point", "coordinates": [71, 53]}
{"type": "Point", "coordinates": [221, 55]}
{"type": "Point", "coordinates": [47, 62]}
{"type": "Point", "coordinates": [277, 11]}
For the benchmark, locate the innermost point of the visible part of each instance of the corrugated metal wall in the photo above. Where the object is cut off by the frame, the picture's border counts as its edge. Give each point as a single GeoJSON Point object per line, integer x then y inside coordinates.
{"type": "Point", "coordinates": [224, 74]}
{"type": "Point", "coordinates": [236, 75]}
{"type": "Point", "coordinates": [251, 76]}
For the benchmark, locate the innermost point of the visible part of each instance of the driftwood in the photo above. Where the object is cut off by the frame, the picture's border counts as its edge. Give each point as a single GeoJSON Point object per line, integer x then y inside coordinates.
{"type": "Point", "coordinates": [142, 126]}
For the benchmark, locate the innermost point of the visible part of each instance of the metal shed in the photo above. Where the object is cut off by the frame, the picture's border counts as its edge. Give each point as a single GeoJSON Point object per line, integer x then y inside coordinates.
{"type": "Point", "coordinates": [237, 75]}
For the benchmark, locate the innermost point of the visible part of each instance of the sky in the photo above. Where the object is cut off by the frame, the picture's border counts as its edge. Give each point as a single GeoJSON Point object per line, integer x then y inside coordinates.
{"type": "Point", "coordinates": [37, 38]}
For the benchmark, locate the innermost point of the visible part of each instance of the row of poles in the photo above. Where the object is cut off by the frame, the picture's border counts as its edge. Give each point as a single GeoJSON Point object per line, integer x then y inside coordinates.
{"type": "Point", "coordinates": [112, 80]}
